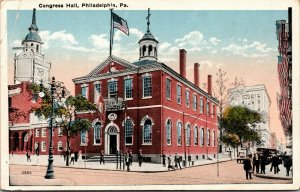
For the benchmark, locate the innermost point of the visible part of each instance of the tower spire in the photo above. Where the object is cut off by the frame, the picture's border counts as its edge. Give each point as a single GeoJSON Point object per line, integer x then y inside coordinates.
{"type": "Point", "coordinates": [148, 22]}
{"type": "Point", "coordinates": [33, 23]}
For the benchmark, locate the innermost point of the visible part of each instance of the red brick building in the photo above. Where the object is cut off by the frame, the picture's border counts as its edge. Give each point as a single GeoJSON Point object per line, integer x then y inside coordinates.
{"type": "Point", "coordinates": [149, 106]}
{"type": "Point", "coordinates": [145, 105]}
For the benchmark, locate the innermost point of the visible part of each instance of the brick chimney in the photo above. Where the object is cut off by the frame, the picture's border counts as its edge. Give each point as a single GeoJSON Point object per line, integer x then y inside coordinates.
{"type": "Point", "coordinates": [196, 74]}
{"type": "Point", "coordinates": [182, 62]}
{"type": "Point", "coordinates": [209, 85]}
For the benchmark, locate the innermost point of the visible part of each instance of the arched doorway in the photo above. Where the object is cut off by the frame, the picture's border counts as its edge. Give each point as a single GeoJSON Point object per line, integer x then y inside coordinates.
{"type": "Point", "coordinates": [15, 141]}
{"type": "Point", "coordinates": [112, 139]}
{"type": "Point", "coordinates": [24, 144]}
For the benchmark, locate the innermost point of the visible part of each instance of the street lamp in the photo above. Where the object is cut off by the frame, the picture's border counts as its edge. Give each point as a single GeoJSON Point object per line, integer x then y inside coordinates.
{"type": "Point", "coordinates": [57, 91]}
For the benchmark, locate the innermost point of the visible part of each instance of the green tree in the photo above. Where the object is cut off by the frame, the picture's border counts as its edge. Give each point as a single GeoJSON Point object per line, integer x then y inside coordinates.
{"type": "Point", "coordinates": [65, 111]}
{"type": "Point", "coordinates": [241, 121]}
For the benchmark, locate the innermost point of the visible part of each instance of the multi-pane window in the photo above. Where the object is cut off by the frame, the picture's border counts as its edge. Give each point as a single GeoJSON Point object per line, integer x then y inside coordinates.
{"type": "Point", "coordinates": [147, 132]}
{"type": "Point", "coordinates": [147, 86]}
{"type": "Point", "coordinates": [44, 131]}
{"type": "Point", "coordinates": [178, 91]}
{"type": "Point", "coordinates": [168, 89]}
{"type": "Point", "coordinates": [97, 133]}
{"type": "Point", "coordinates": [83, 137]}
{"type": "Point", "coordinates": [195, 135]}
{"type": "Point", "coordinates": [179, 128]}
{"type": "Point", "coordinates": [37, 132]}
{"type": "Point", "coordinates": [112, 89]}
{"type": "Point", "coordinates": [84, 91]}
{"type": "Point", "coordinates": [187, 98]}
{"type": "Point", "coordinates": [195, 102]}
{"type": "Point", "coordinates": [201, 105]}
{"type": "Point", "coordinates": [188, 134]}
{"type": "Point", "coordinates": [208, 137]}
{"type": "Point", "coordinates": [97, 92]}
{"type": "Point", "coordinates": [128, 88]}
{"type": "Point", "coordinates": [60, 131]}
{"type": "Point", "coordinates": [202, 137]}
{"type": "Point", "coordinates": [128, 131]}
{"type": "Point", "coordinates": [59, 146]}
{"type": "Point", "coordinates": [212, 110]}
{"type": "Point", "coordinates": [213, 139]}
{"type": "Point", "coordinates": [43, 146]}
{"type": "Point", "coordinates": [207, 108]}
{"type": "Point", "coordinates": [169, 132]}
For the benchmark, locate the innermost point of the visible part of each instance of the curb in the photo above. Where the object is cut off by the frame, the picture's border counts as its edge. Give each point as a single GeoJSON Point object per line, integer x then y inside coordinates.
{"type": "Point", "coordinates": [272, 177]}
{"type": "Point", "coordinates": [90, 168]}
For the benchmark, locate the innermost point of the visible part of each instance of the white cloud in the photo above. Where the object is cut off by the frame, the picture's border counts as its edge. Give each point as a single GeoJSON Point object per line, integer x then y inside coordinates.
{"type": "Point", "coordinates": [16, 43]}
{"type": "Point", "coordinates": [255, 49]}
{"type": "Point", "coordinates": [99, 41]}
{"type": "Point", "coordinates": [162, 47]}
{"type": "Point", "coordinates": [139, 34]}
{"type": "Point", "coordinates": [214, 52]}
{"type": "Point", "coordinates": [214, 40]}
{"type": "Point", "coordinates": [193, 38]}
{"type": "Point", "coordinates": [208, 63]}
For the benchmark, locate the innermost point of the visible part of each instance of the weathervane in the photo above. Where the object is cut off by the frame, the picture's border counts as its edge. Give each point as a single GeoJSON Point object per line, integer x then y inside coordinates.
{"type": "Point", "coordinates": [148, 18]}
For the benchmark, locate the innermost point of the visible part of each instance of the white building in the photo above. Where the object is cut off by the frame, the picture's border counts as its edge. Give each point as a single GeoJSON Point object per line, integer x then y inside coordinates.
{"type": "Point", "coordinates": [255, 98]}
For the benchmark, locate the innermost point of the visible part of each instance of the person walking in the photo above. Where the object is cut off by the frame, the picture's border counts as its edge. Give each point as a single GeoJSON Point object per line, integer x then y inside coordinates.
{"type": "Point", "coordinates": [127, 161]}
{"type": "Point", "coordinates": [163, 156]}
{"type": "Point", "coordinates": [102, 157]}
{"type": "Point", "coordinates": [248, 167]}
{"type": "Point", "coordinates": [130, 157]}
{"type": "Point", "coordinates": [72, 158]}
{"type": "Point", "coordinates": [170, 166]}
{"type": "Point", "coordinates": [263, 162]}
{"type": "Point", "coordinates": [28, 156]}
{"type": "Point", "coordinates": [177, 161]}
{"type": "Point", "coordinates": [256, 163]}
{"type": "Point", "coordinates": [140, 157]}
{"type": "Point", "coordinates": [275, 162]}
{"type": "Point", "coordinates": [288, 164]}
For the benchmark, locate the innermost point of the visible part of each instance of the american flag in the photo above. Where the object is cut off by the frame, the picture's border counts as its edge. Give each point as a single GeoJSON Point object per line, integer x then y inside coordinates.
{"type": "Point", "coordinates": [120, 23]}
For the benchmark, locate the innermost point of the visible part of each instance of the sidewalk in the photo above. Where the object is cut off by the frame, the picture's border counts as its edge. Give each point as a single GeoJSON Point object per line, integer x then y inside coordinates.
{"type": "Point", "coordinates": [42, 160]}
{"type": "Point", "coordinates": [270, 174]}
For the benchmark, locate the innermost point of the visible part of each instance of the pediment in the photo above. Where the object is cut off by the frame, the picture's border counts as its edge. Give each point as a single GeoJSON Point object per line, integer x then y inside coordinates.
{"type": "Point", "coordinates": [111, 64]}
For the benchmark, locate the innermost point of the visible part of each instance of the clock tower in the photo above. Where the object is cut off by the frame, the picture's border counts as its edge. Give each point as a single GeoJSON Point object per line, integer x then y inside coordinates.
{"type": "Point", "coordinates": [30, 64]}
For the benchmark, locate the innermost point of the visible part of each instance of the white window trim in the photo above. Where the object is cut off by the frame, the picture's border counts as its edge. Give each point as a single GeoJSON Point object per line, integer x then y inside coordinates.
{"type": "Point", "coordinates": [187, 98]}
{"type": "Point", "coordinates": [129, 98]}
{"type": "Point", "coordinates": [94, 141]}
{"type": "Point", "coordinates": [195, 96]}
{"type": "Point", "coordinates": [59, 130]}
{"type": "Point", "coordinates": [124, 125]}
{"type": "Point", "coordinates": [179, 144]}
{"type": "Point", "coordinates": [168, 78]}
{"type": "Point", "coordinates": [44, 130]}
{"type": "Point", "coordinates": [58, 145]}
{"type": "Point", "coordinates": [96, 92]}
{"type": "Point", "coordinates": [37, 131]}
{"type": "Point", "coordinates": [180, 103]}
{"type": "Point", "coordinates": [43, 150]}
{"type": "Point", "coordinates": [169, 144]}
{"type": "Point", "coordinates": [147, 97]}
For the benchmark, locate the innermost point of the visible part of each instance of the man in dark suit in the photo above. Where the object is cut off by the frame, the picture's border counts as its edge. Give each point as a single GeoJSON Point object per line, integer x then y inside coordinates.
{"type": "Point", "coordinates": [247, 167]}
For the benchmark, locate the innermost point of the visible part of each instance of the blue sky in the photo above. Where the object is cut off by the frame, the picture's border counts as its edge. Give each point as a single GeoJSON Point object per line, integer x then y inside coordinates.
{"type": "Point", "coordinates": [243, 43]}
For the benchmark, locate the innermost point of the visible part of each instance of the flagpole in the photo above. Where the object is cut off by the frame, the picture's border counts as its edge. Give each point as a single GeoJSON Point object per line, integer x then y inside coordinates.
{"type": "Point", "coordinates": [111, 32]}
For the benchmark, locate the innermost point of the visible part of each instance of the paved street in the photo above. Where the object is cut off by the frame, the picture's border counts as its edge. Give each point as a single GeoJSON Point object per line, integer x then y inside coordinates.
{"type": "Point", "coordinates": [230, 173]}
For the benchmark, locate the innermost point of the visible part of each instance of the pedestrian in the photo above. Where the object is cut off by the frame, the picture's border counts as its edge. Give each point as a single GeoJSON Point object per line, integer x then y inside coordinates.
{"type": "Point", "coordinates": [248, 167]}
{"type": "Point", "coordinates": [263, 162]}
{"type": "Point", "coordinates": [28, 156]}
{"type": "Point", "coordinates": [130, 157]}
{"type": "Point", "coordinates": [255, 163]}
{"type": "Point", "coordinates": [170, 166]}
{"type": "Point", "coordinates": [177, 161]}
{"type": "Point", "coordinates": [37, 151]}
{"type": "Point", "coordinates": [163, 155]}
{"type": "Point", "coordinates": [64, 154]}
{"type": "Point", "coordinates": [288, 164]}
{"type": "Point", "coordinates": [72, 158]}
{"type": "Point", "coordinates": [140, 157]}
{"type": "Point", "coordinates": [275, 162]}
{"type": "Point", "coordinates": [272, 165]}
{"type": "Point", "coordinates": [102, 157]}
{"type": "Point", "coordinates": [127, 161]}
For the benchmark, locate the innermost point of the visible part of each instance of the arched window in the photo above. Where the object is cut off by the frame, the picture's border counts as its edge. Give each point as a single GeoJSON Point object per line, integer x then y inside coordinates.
{"type": "Point", "coordinates": [202, 137]}
{"type": "Point", "coordinates": [188, 134]}
{"type": "Point", "coordinates": [59, 146]}
{"type": "Point", "coordinates": [144, 50]}
{"type": "Point", "coordinates": [213, 138]}
{"type": "Point", "coordinates": [83, 137]}
{"type": "Point", "coordinates": [179, 128]}
{"type": "Point", "coordinates": [97, 133]}
{"type": "Point", "coordinates": [128, 131]}
{"type": "Point", "coordinates": [147, 132]}
{"type": "Point", "coordinates": [208, 137]}
{"type": "Point", "coordinates": [195, 135]}
{"type": "Point", "coordinates": [169, 131]}
{"type": "Point", "coordinates": [201, 105]}
{"type": "Point", "coordinates": [155, 52]}
{"type": "Point", "coordinates": [150, 49]}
